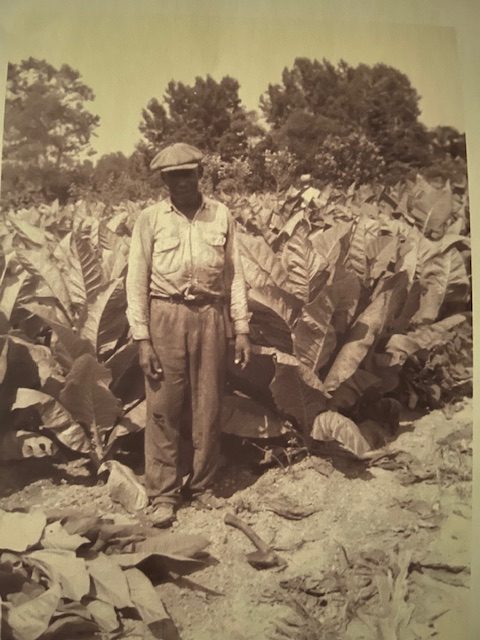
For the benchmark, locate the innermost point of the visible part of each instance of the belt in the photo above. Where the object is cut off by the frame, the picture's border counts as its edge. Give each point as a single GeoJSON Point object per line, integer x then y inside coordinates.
{"type": "Point", "coordinates": [193, 300]}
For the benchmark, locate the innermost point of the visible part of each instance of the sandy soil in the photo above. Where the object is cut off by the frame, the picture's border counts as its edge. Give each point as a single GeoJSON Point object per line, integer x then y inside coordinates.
{"type": "Point", "coordinates": [422, 510]}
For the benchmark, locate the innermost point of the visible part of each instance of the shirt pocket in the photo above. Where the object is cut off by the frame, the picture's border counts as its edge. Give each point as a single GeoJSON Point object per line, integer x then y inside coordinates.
{"type": "Point", "coordinates": [167, 255]}
{"type": "Point", "coordinates": [214, 249]}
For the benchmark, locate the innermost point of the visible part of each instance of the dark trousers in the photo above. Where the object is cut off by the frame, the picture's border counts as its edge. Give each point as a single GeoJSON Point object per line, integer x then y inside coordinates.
{"type": "Point", "coordinates": [191, 345]}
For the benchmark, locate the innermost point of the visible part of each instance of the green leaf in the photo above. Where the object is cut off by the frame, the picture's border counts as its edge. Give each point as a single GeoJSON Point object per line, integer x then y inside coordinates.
{"type": "Point", "coordinates": [55, 417]}
{"type": "Point", "coordinates": [380, 253]}
{"type": "Point", "coordinates": [115, 258]}
{"type": "Point", "coordinates": [70, 626]}
{"type": "Point", "coordinates": [10, 292]}
{"type": "Point", "coordinates": [261, 266]}
{"type": "Point", "coordinates": [90, 266]}
{"type": "Point", "coordinates": [443, 274]}
{"type": "Point", "coordinates": [352, 390]}
{"type": "Point", "coordinates": [55, 536]}
{"type": "Point", "coordinates": [42, 265]}
{"type": "Point", "coordinates": [331, 425]}
{"type": "Point", "coordinates": [274, 312]}
{"type": "Point", "coordinates": [400, 347]}
{"type": "Point", "coordinates": [144, 597]}
{"type": "Point", "coordinates": [3, 358]}
{"type": "Point", "coordinates": [296, 390]}
{"type": "Point", "coordinates": [315, 333]}
{"type": "Point", "coordinates": [40, 356]}
{"type": "Point", "coordinates": [109, 581]}
{"type": "Point", "coordinates": [302, 263]}
{"type": "Point", "coordinates": [124, 487]}
{"type": "Point", "coordinates": [174, 544]}
{"type": "Point", "coordinates": [64, 568]}
{"type": "Point", "coordinates": [89, 400]}
{"type": "Point", "coordinates": [19, 531]}
{"type": "Point", "coordinates": [363, 233]}
{"type": "Point", "coordinates": [31, 619]}
{"type": "Point", "coordinates": [247, 418]}
{"type": "Point", "coordinates": [106, 319]}
{"type": "Point", "coordinates": [364, 332]}
{"type": "Point", "coordinates": [70, 345]}
{"type": "Point", "coordinates": [332, 244]}
{"type": "Point", "coordinates": [104, 615]}
{"type": "Point", "coordinates": [31, 234]}
{"type": "Point", "coordinates": [121, 360]}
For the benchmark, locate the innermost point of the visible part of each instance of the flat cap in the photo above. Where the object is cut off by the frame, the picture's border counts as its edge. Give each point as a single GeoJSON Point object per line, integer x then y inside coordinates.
{"type": "Point", "coordinates": [177, 156]}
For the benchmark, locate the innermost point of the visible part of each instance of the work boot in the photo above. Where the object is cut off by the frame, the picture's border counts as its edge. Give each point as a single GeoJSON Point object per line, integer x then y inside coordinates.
{"type": "Point", "coordinates": [207, 500]}
{"type": "Point", "coordinates": [162, 514]}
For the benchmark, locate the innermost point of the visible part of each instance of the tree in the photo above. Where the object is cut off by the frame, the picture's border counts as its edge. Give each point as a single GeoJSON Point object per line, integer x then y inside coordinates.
{"type": "Point", "coordinates": [317, 100]}
{"type": "Point", "coordinates": [208, 114]}
{"type": "Point", "coordinates": [47, 129]}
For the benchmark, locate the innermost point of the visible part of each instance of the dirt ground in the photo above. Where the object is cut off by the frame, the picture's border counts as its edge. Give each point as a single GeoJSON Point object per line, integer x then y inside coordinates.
{"type": "Point", "coordinates": [420, 511]}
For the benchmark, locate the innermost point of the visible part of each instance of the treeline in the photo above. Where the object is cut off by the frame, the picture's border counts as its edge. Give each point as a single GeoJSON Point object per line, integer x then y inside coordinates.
{"type": "Point", "coordinates": [339, 124]}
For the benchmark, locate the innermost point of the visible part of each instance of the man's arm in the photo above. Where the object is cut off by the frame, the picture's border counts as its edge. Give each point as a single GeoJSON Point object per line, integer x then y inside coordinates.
{"type": "Point", "coordinates": [138, 278]}
{"type": "Point", "coordinates": [236, 288]}
{"type": "Point", "coordinates": [138, 289]}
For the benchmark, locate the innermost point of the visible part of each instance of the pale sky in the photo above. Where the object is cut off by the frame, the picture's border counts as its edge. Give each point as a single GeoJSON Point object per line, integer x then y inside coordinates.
{"type": "Point", "coordinates": [128, 51]}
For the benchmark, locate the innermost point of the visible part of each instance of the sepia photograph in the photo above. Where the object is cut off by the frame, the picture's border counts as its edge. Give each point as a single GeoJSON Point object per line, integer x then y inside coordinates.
{"type": "Point", "coordinates": [236, 327]}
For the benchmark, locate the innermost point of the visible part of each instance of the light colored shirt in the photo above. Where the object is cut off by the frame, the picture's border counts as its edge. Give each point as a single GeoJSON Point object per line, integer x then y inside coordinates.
{"type": "Point", "coordinates": [172, 255]}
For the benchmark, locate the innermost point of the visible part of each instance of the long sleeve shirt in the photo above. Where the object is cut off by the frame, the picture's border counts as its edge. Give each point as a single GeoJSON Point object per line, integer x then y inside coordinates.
{"type": "Point", "coordinates": [172, 255]}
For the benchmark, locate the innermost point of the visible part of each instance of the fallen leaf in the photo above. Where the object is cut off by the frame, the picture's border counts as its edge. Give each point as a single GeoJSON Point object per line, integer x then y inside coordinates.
{"type": "Point", "coordinates": [186, 545]}
{"type": "Point", "coordinates": [285, 507]}
{"type": "Point", "coordinates": [70, 626]}
{"type": "Point", "coordinates": [109, 581]}
{"type": "Point", "coordinates": [55, 536]}
{"type": "Point", "coordinates": [144, 597]}
{"type": "Point", "coordinates": [124, 487]}
{"type": "Point", "coordinates": [30, 620]}
{"type": "Point", "coordinates": [104, 615]}
{"type": "Point", "coordinates": [19, 531]}
{"type": "Point", "coordinates": [63, 567]}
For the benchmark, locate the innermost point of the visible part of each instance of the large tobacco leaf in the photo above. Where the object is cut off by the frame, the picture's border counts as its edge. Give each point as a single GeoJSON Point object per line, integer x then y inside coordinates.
{"type": "Point", "coordinates": [89, 269]}
{"type": "Point", "coordinates": [317, 328]}
{"type": "Point", "coordinates": [69, 345]}
{"type": "Point", "coordinates": [274, 311]}
{"type": "Point", "coordinates": [296, 390]}
{"type": "Point", "coordinates": [54, 417]}
{"type": "Point", "coordinates": [431, 336]}
{"type": "Point", "coordinates": [90, 401]}
{"type": "Point", "coordinates": [105, 322]}
{"type": "Point", "coordinates": [443, 277]}
{"type": "Point", "coordinates": [331, 425]}
{"type": "Point", "coordinates": [302, 264]}
{"type": "Point", "coordinates": [332, 244]}
{"type": "Point", "coordinates": [365, 331]}
{"type": "Point", "coordinates": [247, 418]}
{"type": "Point", "coordinates": [42, 265]}
{"type": "Point", "coordinates": [10, 290]}
{"type": "Point", "coordinates": [363, 233]}
{"type": "Point", "coordinates": [261, 266]}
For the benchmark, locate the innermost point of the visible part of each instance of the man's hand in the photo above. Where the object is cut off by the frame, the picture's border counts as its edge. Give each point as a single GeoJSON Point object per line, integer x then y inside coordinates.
{"type": "Point", "coordinates": [242, 350]}
{"type": "Point", "coordinates": [149, 361]}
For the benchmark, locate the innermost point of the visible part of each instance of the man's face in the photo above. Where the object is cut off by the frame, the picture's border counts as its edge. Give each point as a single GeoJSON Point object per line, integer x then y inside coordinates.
{"type": "Point", "coordinates": [182, 184]}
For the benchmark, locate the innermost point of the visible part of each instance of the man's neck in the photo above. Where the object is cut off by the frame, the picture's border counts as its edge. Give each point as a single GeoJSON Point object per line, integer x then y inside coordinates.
{"type": "Point", "coordinates": [190, 208]}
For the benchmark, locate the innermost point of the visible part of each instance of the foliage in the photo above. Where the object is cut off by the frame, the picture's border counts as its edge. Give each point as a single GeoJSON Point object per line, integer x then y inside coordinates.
{"type": "Point", "coordinates": [208, 114]}
{"type": "Point", "coordinates": [321, 99]}
{"type": "Point", "coordinates": [46, 129]}
{"type": "Point", "coordinates": [347, 159]}
{"type": "Point", "coordinates": [346, 288]}
{"type": "Point", "coordinates": [86, 575]}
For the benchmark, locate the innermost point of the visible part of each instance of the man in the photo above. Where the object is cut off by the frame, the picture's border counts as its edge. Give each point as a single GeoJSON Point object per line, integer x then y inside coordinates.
{"type": "Point", "coordinates": [184, 278]}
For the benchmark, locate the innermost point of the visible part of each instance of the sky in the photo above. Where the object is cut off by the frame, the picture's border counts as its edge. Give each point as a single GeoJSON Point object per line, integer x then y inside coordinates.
{"type": "Point", "coordinates": [128, 51]}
